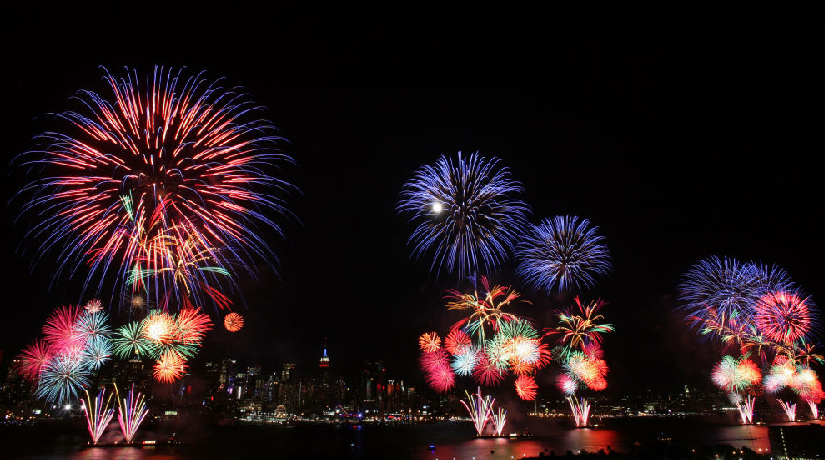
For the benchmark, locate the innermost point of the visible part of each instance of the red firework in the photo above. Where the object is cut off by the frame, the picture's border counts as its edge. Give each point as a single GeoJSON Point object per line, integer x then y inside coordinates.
{"type": "Point", "coordinates": [486, 372]}
{"type": "Point", "coordinates": [437, 371]}
{"type": "Point", "coordinates": [170, 367]}
{"type": "Point", "coordinates": [192, 326]}
{"type": "Point", "coordinates": [429, 342]}
{"type": "Point", "coordinates": [233, 322]}
{"type": "Point", "coordinates": [32, 359]}
{"type": "Point", "coordinates": [783, 317]}
{"type": "Point", "coordinates": [457, 341]}
{"type": "Point", "coordinates": [526, 387]}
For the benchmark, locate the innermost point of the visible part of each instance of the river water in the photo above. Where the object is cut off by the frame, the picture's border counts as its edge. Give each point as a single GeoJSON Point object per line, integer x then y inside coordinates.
{"type": "Point", "coordinates": [449, 440]}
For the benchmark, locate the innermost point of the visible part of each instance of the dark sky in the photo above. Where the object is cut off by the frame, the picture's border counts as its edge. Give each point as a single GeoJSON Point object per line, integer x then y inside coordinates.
{"type": "Point", "coordinates": [681, 134]}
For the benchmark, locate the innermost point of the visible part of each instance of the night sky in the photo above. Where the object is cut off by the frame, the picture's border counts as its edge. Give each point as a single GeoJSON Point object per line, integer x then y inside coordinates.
{"type": "Point", "coordinates": [680, 134]}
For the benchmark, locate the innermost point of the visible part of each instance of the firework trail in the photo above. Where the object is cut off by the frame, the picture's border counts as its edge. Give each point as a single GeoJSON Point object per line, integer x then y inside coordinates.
{"type": "Point", "coordinates": [499, 418]}
{"type": "Point", "coordinates": [233, 322]}
{"type": "Point", "coordinates": [562, 253]}
{"type": "Point", "coordinates": [98, 415]}
{"type": "Point", "coordinates": [790, 410]}
{"type": "Point", "coordinates": [581, 410]}
{"type": "Point", "coordinates": [466, 212]}
{"type": "Point", "coordinates": [166, 183]}
{"type": "Point", "coordinates": [480, 409]}
{"type": "Point", "coordinates": [131, 411]}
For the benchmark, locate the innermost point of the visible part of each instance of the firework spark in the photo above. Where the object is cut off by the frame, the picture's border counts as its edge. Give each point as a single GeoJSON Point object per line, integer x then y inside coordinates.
{"type": "Point", "coordinates": [233, 322]}
{"type": "Point", "coordinates": [784, 317]}
{"type": "Point", "coordinates": [562, 253]}
{"type": "Point", "coordinates": [466, 213]}
{"type": "Point", "coordinates": [62, 377]}
{"type": "Point", "coordinates": [480, 409]}
{"type": "Point", "coordinates": [499, 418]}
{"type": "Point", "coordinates": [169, 367]}
{"type": "Point", "coordinates": [98, 415]}
{"type": "Point", "coordinates": [429, 342]}
{"type": "Point", "coordinates": [526, 387]}
{"type": "Point", "coordinates": [131, 411]}
{"type": "Point", "coordinates": [156, 177]}
{"type": "Point", "coordinates": [437, 371]}
{"type": "Point", "coordinates": [32, 360]}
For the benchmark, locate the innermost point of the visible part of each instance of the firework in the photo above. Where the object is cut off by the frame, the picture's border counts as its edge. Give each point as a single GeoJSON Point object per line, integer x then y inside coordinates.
{"type": "Point", "coordinates": [499, 417]}
{"type": "Point", "coordinates": [562, 253]}
{"type": "Point", "coordinates": [160, 328]}
{"type": "Point", "coordinates": [192, 326]}
{"type": "Point", "coordinates": [581, 410]}
{"type": "Point", "coordinates": [719, 295]}
{"type": "Point", "coordinates": [60, 330]}
{"type": "Point", "coordinates": [61, 377]}
{"type": "Point", "coordinates": [457, 342]}
{"type": "Point", "coordinates": [32, 360]}
{"type": "Point", "coordinates": [566, 384]}
{"type": "Point", "coordinates": [429, 342]}
{"type": "Point", "coordinates": [480, 409]}
{"type": "Point", "coordinates": [437, 371]}
{"type": "Point", "coordinates": [169, 367]}
{"type": "Point", "coordinates": [131, 411]}
{"type": "Point", "coordinates": [233, 322]}
{"type": "Point", "coordinates": [784, 317]}
{"type": "Point", "coordinates": [156, 177]}
{"type": "Point", "coordinates": [129, 340]}
{"type": "Point", "coordinates": [487, 372]}
{"type": "Point", "coordinates": [98, 415]}
{"type": "Point", "coordinates": [591, 372]}
{"type": "Point", "coordinates": [97, 352]}
{"type": "Point", "coordinates": [466, 213]}
{"type": "Point", "coordinates": [464, 363]}
{"type": "Point", "coordinates": [735, 376]}
{"type": "Point", "coordinates": [526, 387]}
{"type": "Point", "coordinates": [790, 410]}
{"type": "Point", "coordinates": [93, 306]}
{"type": "Point", "coordinates": [579, 330]}
{"type": "Point", "coordinates": [485, 311]}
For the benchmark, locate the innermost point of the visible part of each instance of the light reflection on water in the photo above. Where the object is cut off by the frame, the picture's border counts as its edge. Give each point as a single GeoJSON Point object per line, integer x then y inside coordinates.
{"type": "Point", "coordinates": [450, 440]}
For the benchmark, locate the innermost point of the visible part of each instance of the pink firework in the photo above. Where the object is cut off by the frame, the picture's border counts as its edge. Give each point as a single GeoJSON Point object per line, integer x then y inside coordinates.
{"type": "Point", "coordinates": [437, 371]}
{"type": "Point", "coordinates": [32, 359]}
{"type": "Point", "coordinates": [429, 342]}
{"type": "Point", "coordinates": [60, 331]}
{"type": "Point", "coordinates": [566, 384]}
{"type": "Point", "coordinates": [487, 372]}
{"type": "Point", "coordinates": [783, 317]}
{"type": "Point", "coordinates": [457, 341]}
{"type": "Point", "coordinates": [526, 387]}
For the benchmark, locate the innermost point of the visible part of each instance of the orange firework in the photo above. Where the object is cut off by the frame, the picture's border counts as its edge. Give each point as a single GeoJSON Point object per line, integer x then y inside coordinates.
{"type": "Point", "coordinates": [526, 387]}
{"type": "Point", "coordinates": [160, 328]}
{"type": "Point", "coordinates": [233, 322]}
{"type": "Point", "coordinates": [170, 367]}
{"type": "Point", "coordinates": [429, 342]}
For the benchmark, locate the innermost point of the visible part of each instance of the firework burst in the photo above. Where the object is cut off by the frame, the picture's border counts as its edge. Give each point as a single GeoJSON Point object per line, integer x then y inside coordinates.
{"type": "Point", "coordinates": [784, 317]}
{"type": "Point", "coordinates": [526, 387]}
{"type": "Point", "coordinates": [169, 367]}
{"type": "Point", "coordinates": [429, 342]}
{"type": "Point", "coordinates": [233, 322]}
{"type": "Point", "coordinates": [437, 370]}
{"type": "Point", "coordinates": [32, 360]}
{"type": "Point", "coordinates": [173, 179]}
{"type": "Point", "coordinates": [62, 377]}
{"type": "Point", "coordinates": [466, 212]}
{"type": "Point", "coordinates": [562, 253]}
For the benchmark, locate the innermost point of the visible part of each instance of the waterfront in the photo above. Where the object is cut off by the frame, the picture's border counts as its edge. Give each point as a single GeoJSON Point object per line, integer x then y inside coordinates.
{"type": "Point", "coordinates": [450, 440]}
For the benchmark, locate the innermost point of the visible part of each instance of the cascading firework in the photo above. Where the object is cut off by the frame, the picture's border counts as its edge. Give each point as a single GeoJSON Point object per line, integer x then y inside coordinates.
{"type": "Point", "coordinates": [480, 409]}
{"type": "Point", "coordinates": [499, 417]}
{"type": "Point", "coordinates": [98, 414]}
{"type": "Point", "coordinates": [131, 412]}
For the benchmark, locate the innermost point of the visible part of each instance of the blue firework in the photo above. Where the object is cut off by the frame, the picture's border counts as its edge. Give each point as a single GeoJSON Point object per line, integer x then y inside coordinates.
{"type": "Point", "coordinates": [721, 294]}
{"type": "Point", "coordinates": [62, 377]}
{"type": "Point", "coordinates": [92, 326]}
{"type": "Point", "coordinates": [97, 352]}
{"type": "Point", "coordinates": [562, 253]}
{"type": "Point", "coordinates": [464, 363]}
{"type": "Point", "coordinates": [466, 211]}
